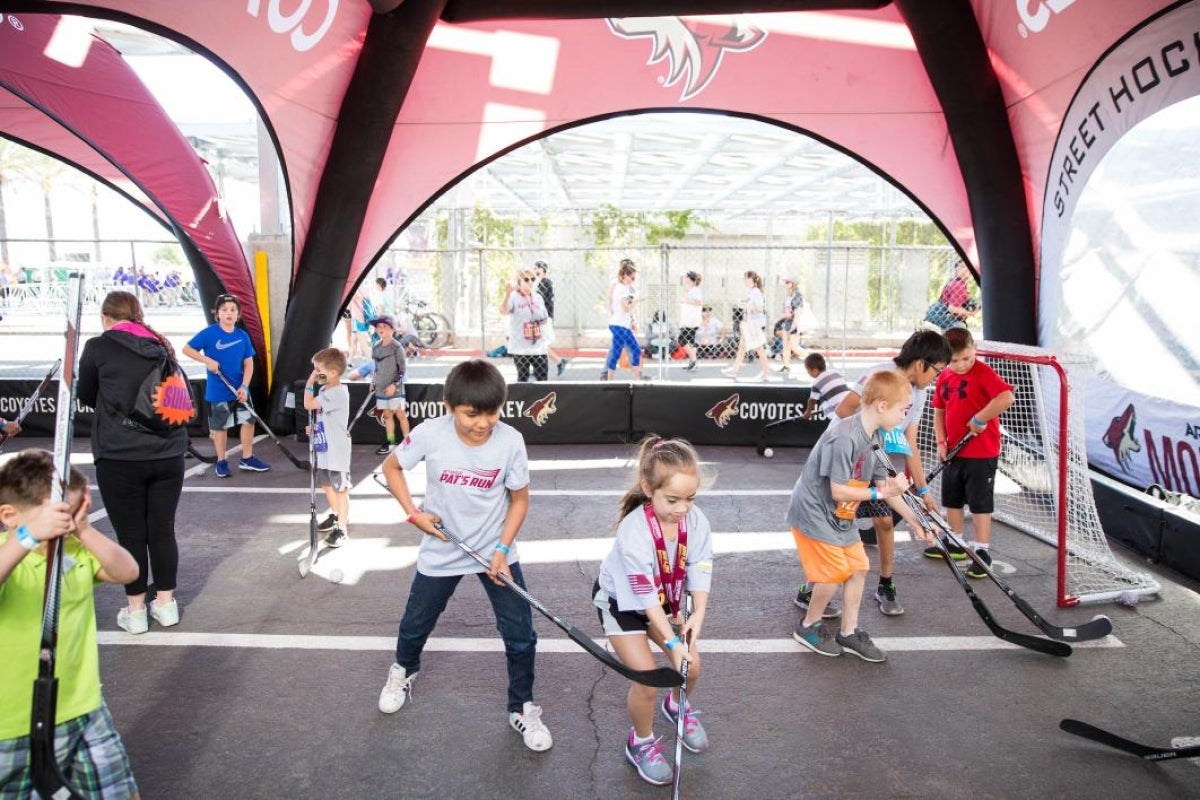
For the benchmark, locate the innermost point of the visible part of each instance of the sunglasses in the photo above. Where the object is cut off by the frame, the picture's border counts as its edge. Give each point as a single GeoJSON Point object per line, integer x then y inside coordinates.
{"type": "Point", "coordinates": [322, 377]}
{"type": "Point", "coordinates": [526, 280]}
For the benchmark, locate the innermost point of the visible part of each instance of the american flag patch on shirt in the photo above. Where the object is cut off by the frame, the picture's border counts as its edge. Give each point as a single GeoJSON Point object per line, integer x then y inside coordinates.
{"type": "Point", "coordinates": [640, 584]}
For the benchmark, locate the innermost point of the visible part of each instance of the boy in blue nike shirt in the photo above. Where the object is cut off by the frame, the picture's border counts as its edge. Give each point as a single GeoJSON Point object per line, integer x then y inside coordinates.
{"type": "Point", "coordinates": [226, 349]}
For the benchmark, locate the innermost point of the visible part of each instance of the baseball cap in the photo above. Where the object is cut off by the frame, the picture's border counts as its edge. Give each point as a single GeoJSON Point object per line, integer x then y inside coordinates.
{"type": "Point", "coordinates": [386, 319]}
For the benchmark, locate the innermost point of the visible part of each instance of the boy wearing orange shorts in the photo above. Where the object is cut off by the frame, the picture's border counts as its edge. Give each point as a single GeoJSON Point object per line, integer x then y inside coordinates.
{"type": "Point", "coordinates": [835, 480]}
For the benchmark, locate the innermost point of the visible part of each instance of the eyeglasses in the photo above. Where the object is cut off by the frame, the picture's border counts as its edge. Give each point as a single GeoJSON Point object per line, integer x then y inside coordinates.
{"type": "Point", "coordinates": [936, 370]}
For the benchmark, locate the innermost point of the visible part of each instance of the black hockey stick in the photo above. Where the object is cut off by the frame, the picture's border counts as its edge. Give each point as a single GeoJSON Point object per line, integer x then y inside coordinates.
{"type": "Point", "coordinates": [196, 454]}
{"type": "Point", "coordinates": [297, 462]}
{"type": "Point", "coordinates": [305, 564]}
{"type": "Point", "coordinates": [933, 473]}
{"type": "Point", "coordinates": [30, 401]}
{"type": "Point", "coordinates": [1096, 628]}
{"type": "Point", "coordinates": [1047, 646]}
{"type": "Point", "coordinates": [681, 706]}
{"type": "Point", "coordinates": [45, 772]}
{"type": "Point", "coordinates": [1142, 751]}
{"type": "Point", "coordinates": [660, 677]}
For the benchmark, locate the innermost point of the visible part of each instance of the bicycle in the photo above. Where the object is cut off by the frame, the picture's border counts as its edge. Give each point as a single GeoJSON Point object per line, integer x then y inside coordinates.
{"type": "Point", "coordinates": [431, 328]}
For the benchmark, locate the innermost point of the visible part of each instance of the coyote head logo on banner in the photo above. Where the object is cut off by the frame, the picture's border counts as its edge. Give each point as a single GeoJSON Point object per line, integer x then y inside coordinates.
{"type": "Point", "coordinates": [689, 51]}
{"type": "Point", "coordinates": [725, 410]}
{"type": "Point", "coordinates": [540, 410]}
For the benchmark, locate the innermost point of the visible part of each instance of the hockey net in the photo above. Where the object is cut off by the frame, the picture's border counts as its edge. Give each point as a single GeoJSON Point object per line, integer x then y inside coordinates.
{"type": "Point", "coordinates": [1043, 487]}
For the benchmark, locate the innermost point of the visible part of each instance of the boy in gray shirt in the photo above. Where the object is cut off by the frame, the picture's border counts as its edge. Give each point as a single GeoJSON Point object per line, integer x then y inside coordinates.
{"type": "Point", "coordinates": [477, 476]}
{"type": "Point", "coordinates": [332, 439]}
{"type": "Point", "coordinates": [834, 481]}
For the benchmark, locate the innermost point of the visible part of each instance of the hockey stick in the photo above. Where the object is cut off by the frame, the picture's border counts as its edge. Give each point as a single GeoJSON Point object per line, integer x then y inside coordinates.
{"type": "Point", "coordinates": [1142, 751]}
{"type": "Point", "coordinates": [297, 462]}
{"type": "Point", "coordinates": [305, 564]}
{"type": "Point", "coordinates": [1096, 628]}
{"type": "Point", "coordinates": [1047, 646]}
{"type": "Point", "coordinates": [196, 454]}
{"type": "Point", "coordinates": [361, 409]}
{"type": "Point", "coordinates": [45, 772]}
{"type": "Point", "coordinates": [660, 677]}
{"type": "Point", "coordinates": [684, 613]}
{"type": "Point", "coordinates": [933, 473]}
{"type": "Point", "coordinates": [27, 406]}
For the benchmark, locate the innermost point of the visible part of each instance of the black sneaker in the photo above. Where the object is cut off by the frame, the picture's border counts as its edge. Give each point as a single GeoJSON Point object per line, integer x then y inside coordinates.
{"type": "Point", "coordinates": [562, 366]}
{"type": "Point", "coordinates": [328, 524]}
{"type": "Point", "coordinates": [956, 552]}
{"type": "Point", "coordinates": [833, 609]}
{"type": "Point", "coordinates": [336, 538]}
{"type": "Point", "coordinates": [976, 571]}
{"type": "Point", "coordinates": [384, 449]}
{"type": "Point", "coordinates": [691, 367]}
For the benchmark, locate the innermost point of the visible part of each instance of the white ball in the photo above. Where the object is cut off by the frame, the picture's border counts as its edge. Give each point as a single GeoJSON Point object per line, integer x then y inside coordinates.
{"type": "Point", "coordinates": [1128, 599]}
{"type": "Point", "coordinates": [336, 575]}
{"type": "Point", "coordinates": [769, 453]}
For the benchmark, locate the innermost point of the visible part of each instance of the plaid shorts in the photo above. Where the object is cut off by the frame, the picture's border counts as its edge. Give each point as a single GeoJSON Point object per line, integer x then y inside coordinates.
{"type": "Point", "coordinates": [89, 752]}
{"type": "Point", "coordinates": [228, 414]}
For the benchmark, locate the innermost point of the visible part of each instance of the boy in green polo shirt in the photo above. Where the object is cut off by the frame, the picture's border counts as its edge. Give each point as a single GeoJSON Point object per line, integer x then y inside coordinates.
{"type": "Point", "coordinates": [86, 743]}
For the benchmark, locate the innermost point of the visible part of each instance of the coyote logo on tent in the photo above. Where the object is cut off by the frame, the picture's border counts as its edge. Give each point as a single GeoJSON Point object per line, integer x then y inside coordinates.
{"type": "Point", "coordinates": [725, 410]}
{"type": "Point", "coordinates": [688, 50]}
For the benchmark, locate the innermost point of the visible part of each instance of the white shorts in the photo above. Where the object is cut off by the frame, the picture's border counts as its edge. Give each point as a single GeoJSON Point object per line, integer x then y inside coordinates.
{"type": "Point", "coordinates": [394, 403]}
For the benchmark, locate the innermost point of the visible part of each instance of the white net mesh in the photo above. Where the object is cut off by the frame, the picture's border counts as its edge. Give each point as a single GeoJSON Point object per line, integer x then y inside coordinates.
{"type": "Point", "coordinates": [1029, 485]}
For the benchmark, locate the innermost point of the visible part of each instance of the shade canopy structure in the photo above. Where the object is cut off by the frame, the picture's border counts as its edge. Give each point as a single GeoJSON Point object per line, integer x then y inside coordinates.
{"type": "Point", "coordinates": [987, 114]}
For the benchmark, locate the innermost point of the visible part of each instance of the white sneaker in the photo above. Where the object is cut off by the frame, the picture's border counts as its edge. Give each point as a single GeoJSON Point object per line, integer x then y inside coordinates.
{"type": "Point", "coordinates": [165, 614]}
{"type": "Point", "coordinates": [529, 724]}
{"type": "Point", "coordinates": [397, 689]}
{"type": "Point", "coordinates": [133, 621]}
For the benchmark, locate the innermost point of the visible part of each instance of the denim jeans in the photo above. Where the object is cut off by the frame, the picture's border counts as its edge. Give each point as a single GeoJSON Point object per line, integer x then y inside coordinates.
{"type": "Point", "coordinates": [514, 619]}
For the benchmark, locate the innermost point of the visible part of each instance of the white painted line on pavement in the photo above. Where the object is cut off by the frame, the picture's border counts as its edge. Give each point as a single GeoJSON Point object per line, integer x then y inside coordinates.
{"type": "Point", "coordinates": [253, 641]}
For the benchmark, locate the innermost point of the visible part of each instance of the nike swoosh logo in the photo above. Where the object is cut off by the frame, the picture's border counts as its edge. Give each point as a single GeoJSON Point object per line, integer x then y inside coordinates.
{"type": "Point", "coordinates": [226, 345]}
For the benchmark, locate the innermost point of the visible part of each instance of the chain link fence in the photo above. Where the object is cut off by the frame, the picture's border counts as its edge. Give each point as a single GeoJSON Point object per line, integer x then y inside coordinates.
{"type": "Point", "coordinates": [860, 294]}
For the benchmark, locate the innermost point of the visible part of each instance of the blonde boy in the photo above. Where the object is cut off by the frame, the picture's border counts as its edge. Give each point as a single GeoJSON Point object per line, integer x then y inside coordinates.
{"type": "Point", "coordinates": [332, 439]}
{"type": "Point", "coordinates": [821, 513]}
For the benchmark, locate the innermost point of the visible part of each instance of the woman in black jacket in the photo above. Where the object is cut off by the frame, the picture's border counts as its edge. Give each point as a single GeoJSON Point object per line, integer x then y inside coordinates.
{"type": "Point", "coordinates": [140, 473]}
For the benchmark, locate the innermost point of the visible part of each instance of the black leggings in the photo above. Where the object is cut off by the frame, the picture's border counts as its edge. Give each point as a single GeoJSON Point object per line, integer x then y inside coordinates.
{"type": "Point", "coordinates": [140, 498]}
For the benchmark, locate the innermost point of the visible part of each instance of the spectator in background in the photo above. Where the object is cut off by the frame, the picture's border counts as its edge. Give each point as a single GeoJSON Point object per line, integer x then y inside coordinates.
{"type": "Point", "coordinates": [754, 323]}
{"type": "Point", "coordinates": [690, 314]}
{"type": "Point", "coordinates": [545, 288]}
{"type": "Point", "coordinates": [787, 328]}
{"type": "Point", "coordinates": [954, 306]}
{"type": "Point", "coordinates": [527, 317]}
{"type": "Point", "coordinates": [621, 322]}
{"type": "Point", "coordinates": [710, 334]}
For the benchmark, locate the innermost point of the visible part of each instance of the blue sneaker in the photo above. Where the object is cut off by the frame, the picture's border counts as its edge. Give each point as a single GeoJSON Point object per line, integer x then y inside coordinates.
{"type": "Point", "coordinates": [253, 464]}
{"type": "Point", "coordinates": [222, 469]}
{"type": "Point", "coordinates": [694, 736]}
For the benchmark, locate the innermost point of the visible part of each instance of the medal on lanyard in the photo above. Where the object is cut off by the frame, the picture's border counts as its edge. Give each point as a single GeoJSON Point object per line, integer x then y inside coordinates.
{"type": "Point", "coordinates": [672, 579]}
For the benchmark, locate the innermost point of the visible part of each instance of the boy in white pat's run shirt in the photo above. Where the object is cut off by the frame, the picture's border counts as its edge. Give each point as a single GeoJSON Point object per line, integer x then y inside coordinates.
{"type": "Point", "coordinates": [478, 488]}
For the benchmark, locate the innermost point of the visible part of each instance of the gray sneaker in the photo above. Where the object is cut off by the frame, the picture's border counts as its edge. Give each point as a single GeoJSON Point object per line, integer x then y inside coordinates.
{"type": "Point", "coordinates": [833, 609]}
{"type": "Point", "coordinates": [695, 738]}
{"type": "Point", "coordinates": [818, 639]}
{"type": "Point", "coordinates": [649, 760]}
{"type": "Point", "coordinates": [861, 645]}
{"type": "Point", "coordinates": [885, 595]}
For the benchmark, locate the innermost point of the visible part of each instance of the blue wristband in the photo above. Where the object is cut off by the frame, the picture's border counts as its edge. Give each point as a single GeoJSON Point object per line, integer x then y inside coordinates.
{"type": "Point", "coordinates": [874, 493]}
{"type": "Point", "coordinates": [924, 490]}
{"type": "Point", "coordinates": [978, 421]}
{"type": "Point", "coordinates": [672, 643]}
{"type": "Point", "coordinates": [503, 548]}
{"type": "Point", "coordinates": [26, 539]}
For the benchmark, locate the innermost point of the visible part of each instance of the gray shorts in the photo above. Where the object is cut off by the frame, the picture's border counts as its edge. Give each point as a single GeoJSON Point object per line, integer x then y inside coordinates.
{"type": "Point", "coordinates": [338, 481]}
{"type": "Point", "coordinates": [228, 414]}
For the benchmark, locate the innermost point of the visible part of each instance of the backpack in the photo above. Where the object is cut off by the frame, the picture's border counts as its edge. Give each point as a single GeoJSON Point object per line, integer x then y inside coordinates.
{"type": "Point", "coordinates": [163, 403]}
